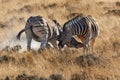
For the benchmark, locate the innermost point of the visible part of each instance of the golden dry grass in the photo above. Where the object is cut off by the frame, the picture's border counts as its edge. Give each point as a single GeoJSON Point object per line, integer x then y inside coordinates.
{"type": "Point", "coordinates": [14, 13]}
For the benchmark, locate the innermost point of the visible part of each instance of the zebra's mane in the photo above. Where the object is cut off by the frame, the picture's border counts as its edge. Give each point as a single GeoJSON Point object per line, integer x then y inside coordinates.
{"type": "Point", "coordinates": [80, 16]}
{"type": "Point", "coordinates": [34, 18]}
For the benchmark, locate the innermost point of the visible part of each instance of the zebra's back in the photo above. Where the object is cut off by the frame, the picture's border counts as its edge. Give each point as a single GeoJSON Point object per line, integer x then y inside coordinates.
{"type": "Point", "coordinates": [40, 26]}
{"type": "Point", "coordinates": [81, 25]}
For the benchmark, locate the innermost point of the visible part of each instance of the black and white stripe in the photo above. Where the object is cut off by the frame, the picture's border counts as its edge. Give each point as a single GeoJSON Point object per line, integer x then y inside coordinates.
{"type": "Point", "coordinates": [42, 30]}
{"type": "Point", "coordinates": [82, 26]}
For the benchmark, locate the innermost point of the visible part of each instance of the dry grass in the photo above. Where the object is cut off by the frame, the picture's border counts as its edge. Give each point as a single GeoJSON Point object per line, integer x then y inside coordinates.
{"type": "Point", "coordinates": [107, 47]}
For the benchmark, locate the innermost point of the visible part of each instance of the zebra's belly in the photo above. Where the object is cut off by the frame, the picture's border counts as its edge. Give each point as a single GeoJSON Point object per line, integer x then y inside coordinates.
{"type": "Point", "coordinates": [38, 39]}
{"type": "Point", "coordinates": [81, 37]}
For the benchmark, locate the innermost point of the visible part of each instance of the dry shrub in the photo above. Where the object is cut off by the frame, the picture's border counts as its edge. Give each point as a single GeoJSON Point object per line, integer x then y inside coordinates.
{"type": "Point", "coordinates": [22, 62]}
{"type": "Point", "coordinates": [113, 12]}
{"type": "Point", "coordinates": [115, 40]}
{"type": "Point", "coordinates": [16, 48]}
{"type": "Point", "coordinates": [52, 5]}
{"type": "Point", "coordinates": [76, 77]}
{"type": "Point", "coordinates": [5, 1]}
{"type": "Point", "coordinates": [116, 46]}
{"type": "Point", "coordinates": [101, 77]}
{"type": "Point", "coordinates": [13, 49]}
{"type": "Point", "coordinates": [43, 78]}
{"type": "Point", "coordinates": [7, 78]}
{"type": "Point", "coordinates": [117, 77]}
{"type": "Point", "coordinates": [27, 77]}
{"type": "Point", "coordinates": [6, 59]}
{"type": "Point", "coordinates": [91, 60]}
{"type": "Point", "coordinates": [117, 4]}
{"type": "Point", "coordinates": [26, 8]}
{"type": "Point", "coordinates": [6, 49]}
{"type": "Point", "coordinates": [83, 76]}
{"type": "Point", "coordinates": [34, 77]}
{"type": "Point", "coordinates": [21, 20]}
{"type": "Point", "coordinates": [56, 77]}
{"type": "Point", "coordinates": [2, 25]}
{"type": "Point", "coordinates": [100, 3]}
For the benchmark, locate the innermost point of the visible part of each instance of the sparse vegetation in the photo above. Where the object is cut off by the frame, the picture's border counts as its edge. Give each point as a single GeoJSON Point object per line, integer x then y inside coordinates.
{"type": "Point", "coordinates": [53, 64]}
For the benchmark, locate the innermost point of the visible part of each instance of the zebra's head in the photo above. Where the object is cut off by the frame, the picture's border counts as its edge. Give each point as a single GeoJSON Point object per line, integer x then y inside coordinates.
{"type": "Point", "coordinates": [65, 36]}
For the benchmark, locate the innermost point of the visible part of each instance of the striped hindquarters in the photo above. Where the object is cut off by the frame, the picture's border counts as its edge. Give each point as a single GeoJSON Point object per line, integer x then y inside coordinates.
{"type": "Point", "coordinates": [93, 26]}
{"type": "Point", "coordinates": [38, 25]}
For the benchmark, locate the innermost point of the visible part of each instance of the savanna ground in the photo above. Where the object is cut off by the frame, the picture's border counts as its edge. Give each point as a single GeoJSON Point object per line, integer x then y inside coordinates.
{"type": "Point", "coordinates": [103, 64]}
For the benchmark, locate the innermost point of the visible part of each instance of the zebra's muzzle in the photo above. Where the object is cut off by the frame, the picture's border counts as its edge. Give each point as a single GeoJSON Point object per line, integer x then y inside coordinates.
{"type": "Point", "coordinates": [60, 44]}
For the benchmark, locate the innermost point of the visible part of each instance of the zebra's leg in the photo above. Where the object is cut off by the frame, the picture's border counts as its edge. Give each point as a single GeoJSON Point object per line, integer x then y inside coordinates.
{"type": "Point", "coordinates": [29, 39]}
{"type": "Point", "coordinates": [44, 38]}
{"type": "Point", "coordinates": [54, 43]}
{"type": "Point", "coordinates": [29, 44]}
{"type": "Point", "coordinates": [92, 44]}
{"type": "Point", "coordinates": [85, 49]}
{"type": "Point", "coordinates": [48, 46]}
{"type": "Point", "coordinates": [86, 46]}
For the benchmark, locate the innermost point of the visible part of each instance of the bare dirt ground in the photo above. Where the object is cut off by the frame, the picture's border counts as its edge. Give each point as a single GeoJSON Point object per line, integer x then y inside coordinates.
{"type": "Point", "coordinates": [53, 64]}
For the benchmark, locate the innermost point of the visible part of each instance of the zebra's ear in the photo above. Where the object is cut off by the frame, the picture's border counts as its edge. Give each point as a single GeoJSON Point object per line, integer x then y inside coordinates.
{"type": "Point", "coordinates": [55, 21]}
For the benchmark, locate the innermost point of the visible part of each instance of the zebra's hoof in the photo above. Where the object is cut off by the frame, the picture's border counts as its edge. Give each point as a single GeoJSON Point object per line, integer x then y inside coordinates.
{"type": "Point", "coordinates": [40, 50]}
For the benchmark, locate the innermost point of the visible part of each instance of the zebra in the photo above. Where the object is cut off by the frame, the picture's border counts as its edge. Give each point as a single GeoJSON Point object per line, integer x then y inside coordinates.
{"type": "Point", "coordinates": [41, 30]}
{"type": "Point", "coordinates": [85, 27]}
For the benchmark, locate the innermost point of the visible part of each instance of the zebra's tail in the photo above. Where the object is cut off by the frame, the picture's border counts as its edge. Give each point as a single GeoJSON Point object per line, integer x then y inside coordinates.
{"type": "Point", "coordinates": [19, 34]}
